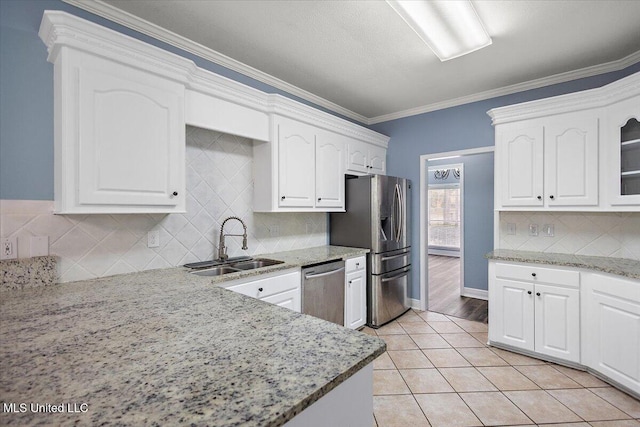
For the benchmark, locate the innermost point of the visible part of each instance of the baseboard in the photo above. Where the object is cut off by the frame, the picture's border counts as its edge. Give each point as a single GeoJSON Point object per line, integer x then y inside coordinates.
{"type": "Point", "coordinates": [414, 303]}
{"type": "Point", "coordinates": [476, 293]}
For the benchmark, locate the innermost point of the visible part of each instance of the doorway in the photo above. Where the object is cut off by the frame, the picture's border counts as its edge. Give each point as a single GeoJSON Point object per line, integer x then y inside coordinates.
{"type": "Point", "coordinates": [444, 231]}
{"type": "Point", "coordinates": [457, 233]}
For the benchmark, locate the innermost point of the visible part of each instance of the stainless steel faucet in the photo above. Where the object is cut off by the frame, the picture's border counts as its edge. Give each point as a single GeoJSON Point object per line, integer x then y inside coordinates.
{"type": "Point", "coordinates": [222, 249]}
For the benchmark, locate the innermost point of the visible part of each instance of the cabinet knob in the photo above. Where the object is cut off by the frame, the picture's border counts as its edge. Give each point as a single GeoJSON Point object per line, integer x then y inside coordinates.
{"type": "Point", "coordinates": [533, 274]}
{"type": "Point", "coordinates": [350, 281]}
{"type": "Point", "coordinates": [538, 293]}
{"type": "Point", "coordinates": [260, 289]}
{"type": "Point", "coordinates": [529, 292]}
{"type": "Point", "coordinates": [282, 198]}
{"type": "Point", "coordinates": [551, 197]}
{"type": "Point", "coordinates": [319, 198]}
{"type": "Point", "coordinates": [539, 197]}
{"type": "Point", "coordinates": [357, 264]}
{"type": "Point", "coordinates": [174, 194]}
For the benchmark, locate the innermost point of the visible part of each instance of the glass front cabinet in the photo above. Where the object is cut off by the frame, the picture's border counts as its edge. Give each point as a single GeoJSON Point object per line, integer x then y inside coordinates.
{"type": "Point", "coordinates": [624, 161]}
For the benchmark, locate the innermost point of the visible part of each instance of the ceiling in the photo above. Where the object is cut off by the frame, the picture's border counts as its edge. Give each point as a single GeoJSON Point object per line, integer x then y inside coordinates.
{"type": "Point", "coordinates": [360, 59]}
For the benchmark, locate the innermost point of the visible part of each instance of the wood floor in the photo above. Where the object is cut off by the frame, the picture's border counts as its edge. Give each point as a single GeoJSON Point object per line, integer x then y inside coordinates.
{"type": "Point", "coordinates": [444, 291]}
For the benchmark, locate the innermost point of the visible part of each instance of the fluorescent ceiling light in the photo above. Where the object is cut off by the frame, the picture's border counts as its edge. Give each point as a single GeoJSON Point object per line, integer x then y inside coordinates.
{"type": "Point", "coordinates": [451, 28]}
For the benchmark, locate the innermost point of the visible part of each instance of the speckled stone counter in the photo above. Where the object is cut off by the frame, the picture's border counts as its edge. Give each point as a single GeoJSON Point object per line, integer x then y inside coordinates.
{"type": "Point", "coordinates": [293, 259]}
{"type": "Point", "coordinates": [27, 273]}
{"type": "Point", "coordinates": [164, 347]}
{"type": "Point", "coordinates": [621, 266]}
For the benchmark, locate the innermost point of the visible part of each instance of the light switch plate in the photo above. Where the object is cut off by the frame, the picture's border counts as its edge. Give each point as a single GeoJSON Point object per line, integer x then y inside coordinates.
{"type": "Point", "coordinates": [153, 239]}
{"type": "Point", "coordinates": [533, 229]}
{"type": "Point", "coordinates": [39, 246]}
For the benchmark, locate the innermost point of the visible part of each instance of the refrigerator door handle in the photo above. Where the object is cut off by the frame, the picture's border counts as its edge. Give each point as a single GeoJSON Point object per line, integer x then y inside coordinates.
{"type": "Point", "coordinates": [396, 212]}
{"type": "Point", "coordinates": [401, 224]}
{"type": "Point", "coordinates": [387, 258]}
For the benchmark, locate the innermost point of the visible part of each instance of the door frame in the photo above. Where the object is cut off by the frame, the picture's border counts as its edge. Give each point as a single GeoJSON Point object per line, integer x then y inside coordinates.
{"type": "Point", "coordinates": [424, 187]}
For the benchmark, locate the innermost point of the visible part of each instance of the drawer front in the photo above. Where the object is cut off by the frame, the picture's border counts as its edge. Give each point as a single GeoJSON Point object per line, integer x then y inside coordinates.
{"type": "Point", "coordinates": [355, 264]}
{"type": "Point", "coordinates": [261, 288]}
{"type": "Point", "coordinates": [537, 274]}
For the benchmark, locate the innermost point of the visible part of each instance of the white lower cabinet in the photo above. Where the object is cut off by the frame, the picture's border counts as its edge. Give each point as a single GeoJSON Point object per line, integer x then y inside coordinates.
{"type": "Point", "coordinates": [611, 328]}
{"type": "Point", "coordinates": [355, 293]}
{"type": "Point", "coordinates": [536, 309]}
{"type": "Point", "coordinates": [281, 288]}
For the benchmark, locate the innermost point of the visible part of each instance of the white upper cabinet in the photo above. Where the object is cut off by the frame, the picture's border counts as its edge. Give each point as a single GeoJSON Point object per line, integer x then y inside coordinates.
{"type": "Point", "coordinates": [364, 158]}
{"type": "Point", "coordinates": [623, 156]}
{"type": "Point", "coordinates": [549, 162]}
{"type": "Point", "coordinates": [329, 171]}
{"type": "Point", "coordinates": [571, 160]}
{"type": "Point", "coordinates": [296, 164]}
{"type": "Point", "coordinates": [130, 141]}
{"type": "Point", "coordinates": [303, 170]}
{"type": "Point", "coordinates": [575, 152]}
{"type": "Point", "coordinates": [521, 165]}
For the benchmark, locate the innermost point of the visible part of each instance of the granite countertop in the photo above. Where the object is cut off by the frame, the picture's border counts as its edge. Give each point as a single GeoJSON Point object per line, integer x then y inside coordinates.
{"type": "Point", "coordinates": [294, 259]}
{"type": "Point", "coordinates": [163, 347]}
{"type": "Point", "coordinates": [621, 266]}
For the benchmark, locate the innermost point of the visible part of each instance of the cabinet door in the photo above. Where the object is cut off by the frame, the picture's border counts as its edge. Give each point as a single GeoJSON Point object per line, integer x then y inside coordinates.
{"type": "Point", "coordinates": [296, 164]}
{"type": "Point", "coordinates": [357, 157]}
{"type": "Point", "coordinates": [611, 328]}
{"type": "Point", "coordinates": [131, 140]}
{"type": "Point", "coordinates": [289, 299]}
{"type": "Point", "coordinates": [557, 322]}
{"type": "Point", "coordinates": [356, 299]}
{"type": "Point", "coordinates": [571, 160]}
{"type": "Point", "coordinates": [512, 313]}
{"type": "Point", "coordinates": [622, 168]}
{"type": "Point", "coordinates": [329, 171]}
{"type": "Point", "coordinates": [377, 160]}
{"type": "Point", "coordinates": [521, 165]}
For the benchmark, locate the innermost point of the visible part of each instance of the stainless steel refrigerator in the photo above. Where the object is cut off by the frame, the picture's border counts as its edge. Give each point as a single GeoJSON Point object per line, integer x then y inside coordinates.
{"type": "Point", "coordinates": [377, 218]}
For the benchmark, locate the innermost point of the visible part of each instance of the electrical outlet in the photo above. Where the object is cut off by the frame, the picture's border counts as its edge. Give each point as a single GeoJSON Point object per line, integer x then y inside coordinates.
{"type": "Point", "coordinates": [511, 228]}
{"type": "Point", "coordinates": [274, 231]}
{"type": "Point", "coordinates": [548, 230]}
{"type": "Point", "coordinates": [153, 239]}
{"type": "Point", "coordinates": [9, 248]}
{"type": "Point", "coordinates": [533, 229]}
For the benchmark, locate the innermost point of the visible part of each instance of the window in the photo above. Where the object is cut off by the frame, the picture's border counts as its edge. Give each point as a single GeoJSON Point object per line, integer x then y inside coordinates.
{"type": "Point", "coordinates": [444, 216]}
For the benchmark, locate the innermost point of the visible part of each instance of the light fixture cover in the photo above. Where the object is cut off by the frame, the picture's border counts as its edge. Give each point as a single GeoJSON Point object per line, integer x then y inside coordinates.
{"type": "Point", "coordinates": [451, 28]}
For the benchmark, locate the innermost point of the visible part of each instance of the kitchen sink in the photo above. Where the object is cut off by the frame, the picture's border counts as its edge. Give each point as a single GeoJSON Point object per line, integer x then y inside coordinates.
{"type": "Point", "coordinates": [216, 271]}
{"type": "Point", "coordinates": [237, 266]}
{"type": "Point", "coordinates": [256, 263]}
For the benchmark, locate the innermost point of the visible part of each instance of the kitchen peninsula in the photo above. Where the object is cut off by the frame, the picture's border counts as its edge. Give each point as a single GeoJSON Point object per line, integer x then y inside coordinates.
{"type": "Point", "coordinates": [165, 347]}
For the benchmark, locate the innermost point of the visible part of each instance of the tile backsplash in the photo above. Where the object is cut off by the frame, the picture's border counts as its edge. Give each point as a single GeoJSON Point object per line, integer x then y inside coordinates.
{"type": "Point", "coordinates": [613, 234]}
{"type": "Point", "coordinates": [219, 185]}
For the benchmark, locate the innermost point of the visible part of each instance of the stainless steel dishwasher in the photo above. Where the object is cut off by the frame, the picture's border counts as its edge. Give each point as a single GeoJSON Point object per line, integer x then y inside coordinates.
{"type": "Point", "coordinates": [323, 291]}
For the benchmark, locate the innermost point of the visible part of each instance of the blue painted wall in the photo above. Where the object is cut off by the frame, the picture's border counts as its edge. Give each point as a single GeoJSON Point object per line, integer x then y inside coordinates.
{"type": "Point", "coordinates": [478, 215]}
{"type": "Point", "coordinates": [26, 95]}
{"type": "Point", "coordinates": [458, 128]}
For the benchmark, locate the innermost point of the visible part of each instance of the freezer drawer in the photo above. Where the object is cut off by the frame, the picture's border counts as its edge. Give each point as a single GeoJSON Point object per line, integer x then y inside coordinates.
{"type": "Point", "coordinates": [387, 296]}
{"type": "Point", "coordinates": [390, 261]}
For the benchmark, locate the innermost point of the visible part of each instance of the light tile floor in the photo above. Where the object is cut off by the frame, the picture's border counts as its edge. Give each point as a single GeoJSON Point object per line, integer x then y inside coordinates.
{"type": "Point", "coordinates": [438, 371]}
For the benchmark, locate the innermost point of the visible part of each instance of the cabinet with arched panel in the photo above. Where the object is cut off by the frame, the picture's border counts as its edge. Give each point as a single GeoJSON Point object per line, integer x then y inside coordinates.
{"type": "Point", "coordinates": [623, 161]}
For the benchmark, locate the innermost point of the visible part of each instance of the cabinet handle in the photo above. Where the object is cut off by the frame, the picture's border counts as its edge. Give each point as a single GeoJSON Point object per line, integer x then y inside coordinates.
{"type": "Point", "coordinates": [174, 194]}
{"type": "Point", "coordinates": [529, 292]}
{"type": "Point", "coordinates": [282, 198]}
{"type": "Point", "coordinates": [538, 293]}
{"type": "Point", "coordinates": [260, 289]}
{"type": "Point", "coordinates": [551, 197]}
{"type": "Point", "coordinates": [319, 198]}
{"type": "Point", "coordinates": [533, 274]}
{"type": "Point", "coordinates": [357, 264]}
{"type": "Point", "coordinates": [539, 197]}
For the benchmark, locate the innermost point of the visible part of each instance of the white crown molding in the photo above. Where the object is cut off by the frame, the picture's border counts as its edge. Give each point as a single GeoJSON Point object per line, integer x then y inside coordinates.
{"type": "Point", "coordinates": [128, 20]}
{"type": "Point", "coordinates": [121, 17]}
{"type": "Point", "coordinates": [587, 99]}
{"type": "Point", "coordinates": [519, 87]}
{"type": "Point", "coordinates": [60, 29]}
